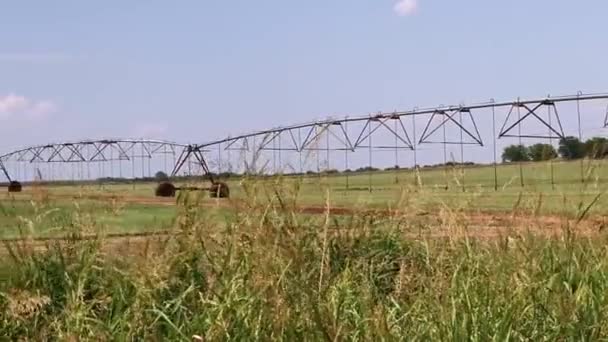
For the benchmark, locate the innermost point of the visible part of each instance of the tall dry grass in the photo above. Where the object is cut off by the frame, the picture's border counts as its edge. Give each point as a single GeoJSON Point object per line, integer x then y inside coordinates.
{"type": "Point", "coordinates": [269, 273]}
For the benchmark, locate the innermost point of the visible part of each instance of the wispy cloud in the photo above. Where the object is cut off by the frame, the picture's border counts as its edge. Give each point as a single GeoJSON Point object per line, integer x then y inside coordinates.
{"type": "Point", "coordinates": [13, 106]}
{"type": "Point", "coordinates": [34, 57]}
{"type": "Point", "coordinates": [406, 7]}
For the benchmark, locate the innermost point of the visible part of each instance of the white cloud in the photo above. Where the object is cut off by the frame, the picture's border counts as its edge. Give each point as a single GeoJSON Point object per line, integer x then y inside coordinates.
{"type": "Point", "coordinates": [13, 106]}
{"type": "Point", "coordinates": [406, 7]}
{"type": "Point", "coordinates": [41, 110]}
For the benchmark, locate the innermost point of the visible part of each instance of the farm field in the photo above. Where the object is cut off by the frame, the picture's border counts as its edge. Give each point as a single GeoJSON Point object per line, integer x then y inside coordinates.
{"type": "Point", "coordinates": [128, 208]}
{"type": "Point", "coordinates": [273, 263]}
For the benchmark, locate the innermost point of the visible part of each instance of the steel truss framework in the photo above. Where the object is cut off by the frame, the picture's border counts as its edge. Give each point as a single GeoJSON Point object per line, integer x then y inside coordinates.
{"type": "Point", "coordinates": [347, 134]}
{"type": "Point", "coordinates": [90, 151]}
{"type": "Point", "coordinates": [306, 137]}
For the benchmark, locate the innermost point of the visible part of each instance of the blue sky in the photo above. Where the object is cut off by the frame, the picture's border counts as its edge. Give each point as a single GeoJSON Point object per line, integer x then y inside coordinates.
{"type": "Point", "coordinates": [192, 71]}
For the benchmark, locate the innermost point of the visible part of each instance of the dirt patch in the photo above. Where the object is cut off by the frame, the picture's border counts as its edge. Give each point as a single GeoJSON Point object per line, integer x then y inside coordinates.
{"type": "Point", "coordinates": [436, 223]}
{"type": "Point", "coordinates": [123, 244]}
{"type": "Point", "coordinates": [478, 226]}
{"type": "Point", "coordinates": [476, 218]}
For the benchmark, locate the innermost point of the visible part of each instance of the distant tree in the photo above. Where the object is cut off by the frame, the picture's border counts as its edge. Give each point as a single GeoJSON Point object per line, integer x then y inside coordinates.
{"type": "Point", "coordinates": [515, 153]}
{"type": "Point", "coordinates": [227, 174]}
{"type": "Point", "coordinates": [160, 176]}
{"type": "Point", "coordinates": [571, 148]}
{"type": "Point", "coordinates": [541, 152]}
{"type": "Point", "coordinates": [596, 148]}
{"type": "Point", "coordinates": [330, 171]}
{"type": "Point", "coordinates": [367, 169]}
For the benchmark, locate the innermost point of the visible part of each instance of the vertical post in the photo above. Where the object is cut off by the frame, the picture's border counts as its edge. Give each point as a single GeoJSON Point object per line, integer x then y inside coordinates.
{"type": "Point", "coordinates": [274, 156]}
{"type": "Point", "coordinates": [346, 153]}
{"type": "Point", "coordinates": [143, 162]}
{"type": "Point", "coordinates": [280, 157]}
{"type": "Point", "coordinates": [101, 167]}
{"type": "Point", "coordinates": [317, 150]}
{"type": "Point", "coordinates": [580, 133]}
{"type": "Point", "coordinates": [133, 165]}
{"type": "Point", "coordinates": [173, 154]}
{"type": "Point", "coordinates": [369, 132]}
{"type": "Point", "coordinates": [461, 153]}
{"type": "Point", "coordinates": [100, 172]}
{"type": "Point", "coordinates": [445, 157]}
{"type": "Point", "coordinates": [396, 153]}
{"type": "Point", "coordinates": [120, 163]}
{"type": "Point", "coordinates": [229, 158]}
{"type": "Point", "coordinates": [219, 159]}
{"type": "Point", "coordinates": [327, 147]}
{"type": "Point", "coordinates": [165, 158]}
{"type": "Point", "coordinates": [415, 168]}
{"type": "Point", "coordinates": [550, 143]}
{"type": "Point", "coordinates": [255, 156]}
{"type": "Point", "coordinates": [111, 162]}
{"type": "Point", "coordinates": [300, 148]}
{"type": "Point", "coordinates": [189, 165]}
{"type": "Point", "coordinates": [87, 160]}
{"type": "Point", "coordinates": [494, 145]}
{"type": "Point", "coordinates": [521, 168]}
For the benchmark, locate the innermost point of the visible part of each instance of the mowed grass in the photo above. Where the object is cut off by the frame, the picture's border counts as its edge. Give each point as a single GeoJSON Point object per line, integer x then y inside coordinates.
{"type": "Point", "coordinates": [132, 208]}
{"type": "Point", "coordinates": [57, 218]}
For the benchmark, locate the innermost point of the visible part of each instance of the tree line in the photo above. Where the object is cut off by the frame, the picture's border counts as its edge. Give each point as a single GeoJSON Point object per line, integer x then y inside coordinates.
{"type": "Point", "coordinates": [569, 148]}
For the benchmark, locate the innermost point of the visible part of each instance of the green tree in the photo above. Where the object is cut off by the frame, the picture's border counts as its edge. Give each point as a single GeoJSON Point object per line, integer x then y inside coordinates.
{"type": "Point", "coordinates": [571, 148]}
{"type": "Point", "coordinates": [541, 152]}
{"type": "Point", "coordinates": [161, 176]}
{"type": "Point", "coordinates": [596, 148]}
{"type": "Point", "coordinates": [515, 153]}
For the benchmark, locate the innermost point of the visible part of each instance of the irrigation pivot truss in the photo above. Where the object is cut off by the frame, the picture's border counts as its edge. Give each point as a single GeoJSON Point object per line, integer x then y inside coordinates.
{"type": "Point", "coordinates": [89, 152]}
{"type": "Point", "coordinates": [355, 133]}
{"type": "Point", "coordinates": [448, 113]}
{"type": "Point", "coordinates": [271, 150]}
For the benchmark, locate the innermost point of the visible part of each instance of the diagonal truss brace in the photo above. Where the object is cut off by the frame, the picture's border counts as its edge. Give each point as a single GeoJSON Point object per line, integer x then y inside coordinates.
{"type": "Point", "coordinates": [244, 145]}
{"type": "Point", "coordinates": [310, 138]}
{"type": "Point", "coordinates": [265, 145]}
{"type": "Point", "coordinates": [506, 131]}
{"type": "Point", "coordinates": [400, 132]}
{"type": "Point", "coordinates": [75, 153]}
{"type": "Point", "coordinates": [5, 171]}
{"type": "Point", "coordinates": [341, 137]}
{"type": "Point", "coordinates": [449, 117]}
{"type": "Point", "coordinates": [196, 152]}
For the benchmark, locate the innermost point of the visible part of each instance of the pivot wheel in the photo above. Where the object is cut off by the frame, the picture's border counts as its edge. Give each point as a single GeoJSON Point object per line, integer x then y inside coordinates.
{"type": "Point", "coordinates": [165, 189]}
{"type": "Point", "coordinates": [14, 186]}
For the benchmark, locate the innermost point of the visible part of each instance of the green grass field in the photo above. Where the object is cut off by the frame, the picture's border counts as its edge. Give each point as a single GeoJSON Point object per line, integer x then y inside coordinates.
{"type": "Point", "coordinates": [256, 268]}
{"type": "Point", "coordinates": [471, 188]}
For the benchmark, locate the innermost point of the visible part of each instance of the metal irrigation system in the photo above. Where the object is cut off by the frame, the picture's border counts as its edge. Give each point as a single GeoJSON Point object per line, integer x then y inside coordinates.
{"type": "Point", "coordinates": [336, 143]}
